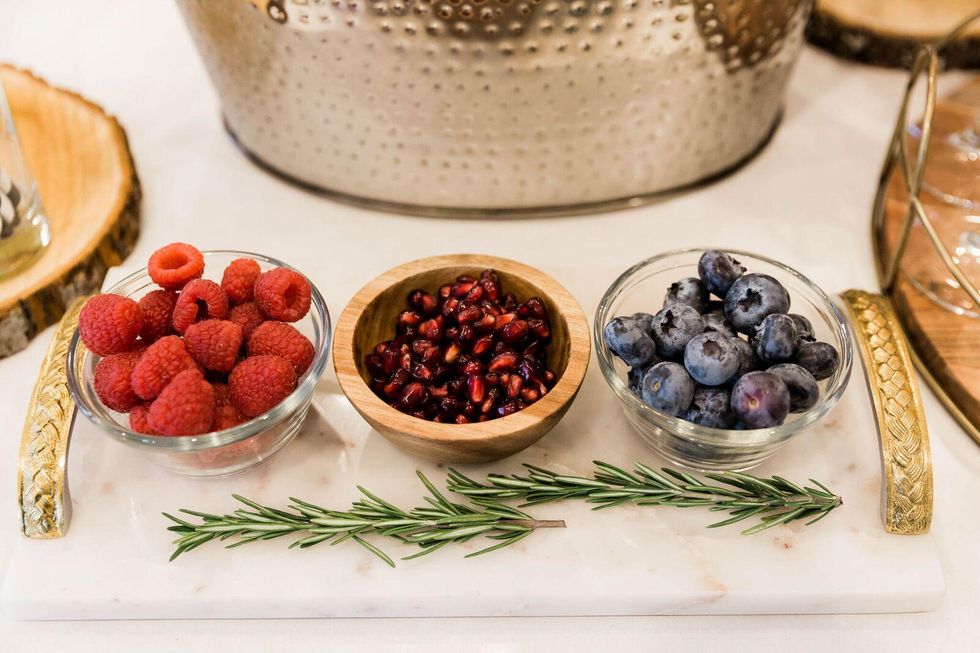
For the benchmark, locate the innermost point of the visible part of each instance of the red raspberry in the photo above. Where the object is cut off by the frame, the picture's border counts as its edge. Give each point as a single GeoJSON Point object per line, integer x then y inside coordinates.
{"type": "Point", "coordinates": [159, 364]}
{"type": "Point", "coordinates": [173, 266]}
{"type": "Point", "coordinates": [260, 383]}
{"type": "Point", "coordinates": [109, 324]}
{"type": "Point", "coordinates": [283, 294]}
{"type": "Point", "coordinates": [239, 280]}
{"type": "Point", "coordinates": [157, 307]}
{"type": "Point", "coordinates": [226, 415]}
{"type": "Point", "coordinates": [139, 419]}
{"type": "Point", "coordinates": [247, 316]}
{"type": "Point", "coordinates": [214, 344]}
{"type": "Point", "coordinates": [281, 339]}
{"type": "Point", "coordinates": [113, 382]}
{"type": "Point", "coordinates": [185, 407]}
{"type": "Point", "coordinates": [200, 300]}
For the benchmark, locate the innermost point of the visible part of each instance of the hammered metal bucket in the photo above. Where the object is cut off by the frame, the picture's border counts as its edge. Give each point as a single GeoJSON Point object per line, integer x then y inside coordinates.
{"type": "Point", "coordinates": [494, 106]}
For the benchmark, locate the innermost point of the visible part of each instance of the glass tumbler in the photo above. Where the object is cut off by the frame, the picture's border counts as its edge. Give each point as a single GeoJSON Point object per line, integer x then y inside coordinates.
{"type": "Point", "coordinates": [24, 232]}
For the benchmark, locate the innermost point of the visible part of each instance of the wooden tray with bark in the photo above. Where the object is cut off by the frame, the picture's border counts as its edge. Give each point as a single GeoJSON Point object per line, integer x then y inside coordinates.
{"type": "Point", "coordinates": [89, 191]}
{"type": "Point", "coordinates": [889, 32]}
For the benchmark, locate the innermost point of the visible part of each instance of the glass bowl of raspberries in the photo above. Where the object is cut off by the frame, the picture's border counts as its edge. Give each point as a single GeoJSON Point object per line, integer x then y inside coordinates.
{"type": "Point", "coordinates": [719, 358]}
{"type": "Point", "coordinates": [204, 361]}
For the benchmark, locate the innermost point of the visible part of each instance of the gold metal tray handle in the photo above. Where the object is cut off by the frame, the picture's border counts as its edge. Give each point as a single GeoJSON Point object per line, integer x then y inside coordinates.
{"type": "Point", "coordinates": [907, 493]}
{"type": "Point", "coordinates": [42, 480]}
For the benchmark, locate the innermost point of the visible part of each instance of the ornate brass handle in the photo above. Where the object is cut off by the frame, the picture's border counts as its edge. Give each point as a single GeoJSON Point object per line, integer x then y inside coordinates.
{"type": "Point", "coordinates": [42, 482]}
{"type": "Point", "coordinates": [905, 456]}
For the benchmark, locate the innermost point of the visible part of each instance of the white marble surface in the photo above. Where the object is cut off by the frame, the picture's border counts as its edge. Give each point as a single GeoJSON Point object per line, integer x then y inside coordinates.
{"type": "Point", "coordinates": [137, 60]}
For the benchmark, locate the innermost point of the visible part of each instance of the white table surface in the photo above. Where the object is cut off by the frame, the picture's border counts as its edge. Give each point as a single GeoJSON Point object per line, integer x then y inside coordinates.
{"type": "Point", "coordinates": [137, 60]}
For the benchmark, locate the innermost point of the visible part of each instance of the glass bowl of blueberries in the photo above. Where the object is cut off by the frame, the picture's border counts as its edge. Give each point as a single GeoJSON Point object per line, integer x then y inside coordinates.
{"type": "Point", "coordinates": [719, 358]}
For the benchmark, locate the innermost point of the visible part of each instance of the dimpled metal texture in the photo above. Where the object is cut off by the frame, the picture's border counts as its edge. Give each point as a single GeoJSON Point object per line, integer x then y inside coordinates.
{"type": "Point", "coordinates": [430, 106]}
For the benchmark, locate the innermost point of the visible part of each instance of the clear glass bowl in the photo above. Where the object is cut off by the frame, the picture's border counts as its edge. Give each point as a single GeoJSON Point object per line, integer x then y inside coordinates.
{"type": "Point", "coordinates": [221, 453]}
{"type": "Point", "coordinates": [642, 288]}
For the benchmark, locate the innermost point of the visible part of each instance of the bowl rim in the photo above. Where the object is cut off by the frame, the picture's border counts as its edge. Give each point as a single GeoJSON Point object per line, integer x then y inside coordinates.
{"type": "Point", "coordinates": [373, 409]}
{"type": "Point", "coordinates": [715, 437]}
{"type": "Point", "coordinates": [77, 353]}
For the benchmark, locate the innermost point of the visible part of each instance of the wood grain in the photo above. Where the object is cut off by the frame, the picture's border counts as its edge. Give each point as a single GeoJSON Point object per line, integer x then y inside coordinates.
{"type": "Point", "coordinates": [90, 194]}
{"type": "Point", "coordinates": [369, 318]}
{"type": "Point", "coordinates": [888, 32]}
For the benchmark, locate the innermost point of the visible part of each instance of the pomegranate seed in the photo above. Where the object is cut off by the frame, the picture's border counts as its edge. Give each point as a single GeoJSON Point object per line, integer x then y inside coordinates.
{"type": "Point", "coordinates": [461, 288]}
{"type": "Point", "coordinates": [470, 409]}
{"type": "Point", "coordinates": [530, 395]}
{"type": "Point", "coordinates": [414, 394]}
{"type": "Point", "coordinates": [452, 353]}
{"type": "Point", "coordinates": [375, 364]}
{"type": "Point", "coordinates": [492, 378]}
{"type": "Point", "coordinates": [482, 346]}
{"type": "Point", "coordinates": [423, 302]}
{"type": "Point", "coordinates": [523, 311]}
{"type": "Point", "coordinates": [486, 324]}
{"type": "Point", "coordinates": [450, 307]}
{"type": "Point", "coordinates": [539, 328]}
{"type": "Point", "coordinates": [509, 408]}
{"type": "Point", "coordinates": [452, 333]}
{"type": "Point", "coordinates": [422, 373]}
{"type": "Point", "coordinates": [466, 335]}
{"type": "Point", "coordinates": [431, 330]}
{"type": "Point", "coordinates": [475, 294]}
{"type": "Point", "coordinates": [449, 405]}
{"type": "Point", "coordinates": [549, 377]}
{"type": "Point", "coordinates": [510, 302]}
{"type": "Point", "coordinates": [390, 360]}
{"type": "Point", "coordinates": [445, 291]}
{"type": "Point", "coordinates": [409, 318]}
{"type": "Point", "coordinates": [514, 386]}
{"type": "Point", "coordinates": [461, 419]}
{"type": "Point", "coordinates": [439, 391]}
{"type": "Point", "coordinates": [420, 346]}
{"type": "Point", "coordinates": [514, 331]}
{"type": "Point", "coordinates": [477, 389]}
{"type": "Point", "coordinates": [537, 308]}
{"type": "Point", "coordinates": [503, 362]}
{"type": "Point", "coordinates": [489, 402]}
{"type": "Point", "coordinates": [432, 354]}
{"type": "Point", "coordinates": [491, 308]}
{"type": "Point", "coordinates": [469, 315]}
{"type": "Point", "coordinates": [505, 319]}
{"type": "Point", "coordinates": [472, 368]}
{"type": "Point", "coordinates": [396, 383]}
{"type": "Point", "coordinates": [489, 274]}
{"type": "Point", "coordinates": [457, 385]}
{"type": "Point", "coordinates": [492, 288]}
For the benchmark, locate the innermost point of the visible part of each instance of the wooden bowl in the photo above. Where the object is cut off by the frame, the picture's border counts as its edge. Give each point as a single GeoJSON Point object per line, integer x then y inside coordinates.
{"type": "Point", "coordinates": [369, 318]}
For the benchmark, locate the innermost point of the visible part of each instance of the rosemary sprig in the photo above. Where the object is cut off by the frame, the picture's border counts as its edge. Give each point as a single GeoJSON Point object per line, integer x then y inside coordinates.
{"type": "Point", "coordinates": [773, 500]}
{"type": "Point", "coordinates": [430, 527]}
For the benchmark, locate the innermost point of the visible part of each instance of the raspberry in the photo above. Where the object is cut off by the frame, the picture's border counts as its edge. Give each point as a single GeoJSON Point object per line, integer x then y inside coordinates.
{"type": "Point", "coordinates": [214, 344]}
{"type": "Point", "coordinates": [260, 383]}
{"type": "Point", "coordinates": [226, 415]}
{"type": "Point", "coordinates": [171, 267]}
{"type": "Point", "coordinates": [283, 294]}
{"type": "Point", "coordinates": [109, 324]}
{"type": "Point", "coordinates": [157, 307]}
{"type": "Point", "coordinates": [185, 407]}
{"type": "Point", "coordinates": [200, 300]}
{"type": "Point", "coordinates": [281, 339]}
{"type": "Point", "coordinates": [112, 381]}
{"type": "Point", "coordinates": [239, 280]}
{"type": "Point", "coordinates": [139, 419]}
{"type": "Point", "coordinates": [247, 316]}
{"type": "Point", "coordinates": [159, 364]}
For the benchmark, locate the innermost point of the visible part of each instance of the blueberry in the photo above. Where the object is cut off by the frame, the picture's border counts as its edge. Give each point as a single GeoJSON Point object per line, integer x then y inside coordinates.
{"type": "Point", "coordinates": [818, 358]}
{"type": "Point", "coordinates": [628, 341]}
{"type": "Point", "coordinates": [634, 378]}
{"type": "Point", "coordinates": [668, 388]}
{"type": "Point", "coordinates": [804, 330]}
{"type": "Point", "coordinates": [718, 271]}
{"type": "Point", "coordinates": [711, 407]}
{"type": "Point", "coordinates": [673, 327]}
{"type": "Point", "coordinates": [752, 297]}
{"type": "Point", "coordinates": [760, 400]}
{"type": "Point", "coordinates": [687, 291]}
{"type": "Point", "coordinates": [775, 341]}
{"type": "Point", "coordinates": [644, 321]}
{"type": "Point", "coordinates": [747, 360]}
{"type": "Point", "coordinates": [711, 358]}
{"type": "Point", "coordinates": [803, 390]}
{"type": "Point", "coordinates": [716, 322]}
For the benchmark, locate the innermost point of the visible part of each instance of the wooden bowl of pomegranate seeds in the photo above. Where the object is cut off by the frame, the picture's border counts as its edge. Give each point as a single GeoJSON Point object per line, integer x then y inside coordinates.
{"type": "Point", "coordinates": [474, 385]}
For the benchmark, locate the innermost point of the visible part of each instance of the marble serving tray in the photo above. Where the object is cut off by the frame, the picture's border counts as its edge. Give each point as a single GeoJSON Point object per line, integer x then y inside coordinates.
{"type": "Point", "coordinates": [624, 561]}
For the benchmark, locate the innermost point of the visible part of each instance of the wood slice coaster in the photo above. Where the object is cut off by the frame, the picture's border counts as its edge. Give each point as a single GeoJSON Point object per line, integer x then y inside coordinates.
{"type": "Point", "coordinates": [888, 32]}
{"type": "Point", "coordinates": [89, 191]}
{"type": "Point", "coordinates": [946, 345]}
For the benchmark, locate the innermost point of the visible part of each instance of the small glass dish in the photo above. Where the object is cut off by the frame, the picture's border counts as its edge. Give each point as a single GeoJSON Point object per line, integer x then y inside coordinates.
{"type": "Point", "coordinates": [221, 453]}
{"type": "Point", "coordinates": [642, 288]}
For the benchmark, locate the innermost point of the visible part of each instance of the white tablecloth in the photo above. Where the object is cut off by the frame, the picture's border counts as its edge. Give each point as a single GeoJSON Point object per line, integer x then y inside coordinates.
{"type": "Point", "coordinates": [137, 60]}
